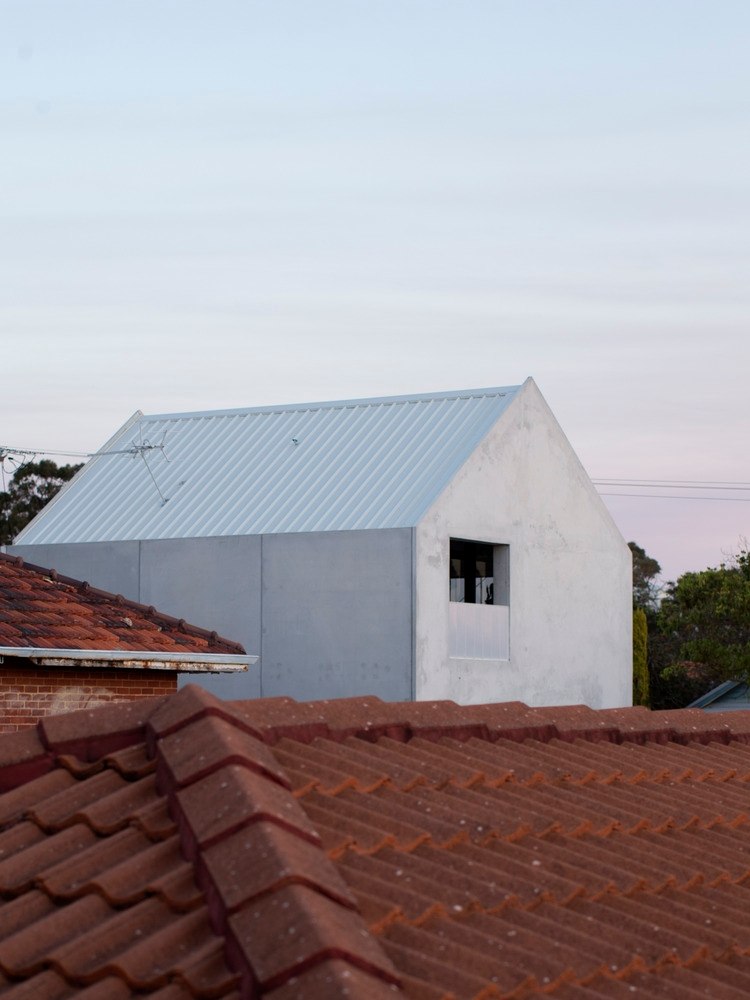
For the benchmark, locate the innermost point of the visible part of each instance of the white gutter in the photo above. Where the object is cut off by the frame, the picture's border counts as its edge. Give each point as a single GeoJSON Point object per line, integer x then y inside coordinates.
{"type": "Point", "coordinates": [130, 658]}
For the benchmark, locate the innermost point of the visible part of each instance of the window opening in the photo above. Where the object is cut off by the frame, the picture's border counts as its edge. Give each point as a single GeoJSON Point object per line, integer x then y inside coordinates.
{"type": "Point", "coordinates": [479, 606]}
{"type": "Point", "coordinates": [472, 579]}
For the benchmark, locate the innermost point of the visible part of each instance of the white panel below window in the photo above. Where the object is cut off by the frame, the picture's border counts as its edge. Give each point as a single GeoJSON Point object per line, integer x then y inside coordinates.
{"type": "Point", "coordinates": [478, 631]}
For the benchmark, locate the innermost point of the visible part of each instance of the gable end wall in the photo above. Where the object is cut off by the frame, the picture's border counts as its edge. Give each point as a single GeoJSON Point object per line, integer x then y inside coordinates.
{"type": "Point", "coordinates": [570, 572]}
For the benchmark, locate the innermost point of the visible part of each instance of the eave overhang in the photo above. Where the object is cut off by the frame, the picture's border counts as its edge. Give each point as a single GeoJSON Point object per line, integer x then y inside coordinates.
{"type": "Point", "coordinates": [131, 659]}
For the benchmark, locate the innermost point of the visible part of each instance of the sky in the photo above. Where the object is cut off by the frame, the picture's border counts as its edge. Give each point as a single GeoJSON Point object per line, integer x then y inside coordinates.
{"type": "Point", "coordinates": [208, 205]}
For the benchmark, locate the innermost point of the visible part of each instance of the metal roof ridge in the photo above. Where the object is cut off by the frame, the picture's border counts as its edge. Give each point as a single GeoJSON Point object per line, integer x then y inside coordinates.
{"type": "Point", "coordinates": [338, 403]}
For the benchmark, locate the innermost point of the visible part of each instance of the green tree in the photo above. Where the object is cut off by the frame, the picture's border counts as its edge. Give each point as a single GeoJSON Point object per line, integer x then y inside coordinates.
{"type": "Point", "coordinates": [640, 658]}
{"type": "Point", "coordinates": [704, 625]}
{"type": "Point", "coordinates": [645, 571]}
{"type": "Point", "coordinates": [31, 488]}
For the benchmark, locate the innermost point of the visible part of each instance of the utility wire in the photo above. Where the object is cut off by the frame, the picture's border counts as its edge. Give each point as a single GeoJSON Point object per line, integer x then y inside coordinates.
{"type": "Point", "coordinates": [6, 450]}
{"type": "Point", "coordinates": [678, 484]}
{"type": "Point", "coordinates": [674, 496]}
{"type": "Point", "coordinates": [136, 449]}
{"type": "Point", "coordinates": [612, 485]}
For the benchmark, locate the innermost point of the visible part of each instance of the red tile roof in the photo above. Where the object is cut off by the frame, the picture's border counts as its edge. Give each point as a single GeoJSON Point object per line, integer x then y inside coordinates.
{"type": "Point", "coordinates": [185, 847]}
{"type": "Point", "coordinates": [41, 609]}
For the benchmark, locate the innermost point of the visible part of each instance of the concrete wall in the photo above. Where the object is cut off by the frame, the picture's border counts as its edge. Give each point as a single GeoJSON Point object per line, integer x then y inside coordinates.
{"type": "Point", "coordinates": [113, 566]}
{"type": "Point", "coordinates": [570, 572]}
{"type": "Point", "coordinates": [214, 583]}
{"type": "Point", "coordinates": [329, 613]}
{"type": "Point", "coordinates": [337, 614]}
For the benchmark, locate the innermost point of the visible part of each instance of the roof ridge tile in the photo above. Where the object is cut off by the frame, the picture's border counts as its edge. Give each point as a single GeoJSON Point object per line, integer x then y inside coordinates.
{"type": "Point", "coordinates": [208, 742]}
{"type": "Point", "coordinates": [190, 704]}
{"type": "Point", "coordinates": [92, 733]}
{"type": "Point", "coordinates": [303, 929]}
{"type": "Point", "coordinates": [231, 797]}
{"type": "Point", "coordinates": [262, 858]}
{"type": "Point", "coordinates": [23, 758]}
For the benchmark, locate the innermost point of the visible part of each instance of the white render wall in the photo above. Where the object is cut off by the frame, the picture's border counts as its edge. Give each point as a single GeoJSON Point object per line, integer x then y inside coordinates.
{"type": "Point", "coordinates": [570, 572]}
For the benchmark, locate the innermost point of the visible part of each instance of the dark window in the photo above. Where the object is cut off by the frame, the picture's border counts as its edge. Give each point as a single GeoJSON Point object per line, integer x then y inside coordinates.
{"type": "Point", "coordinates": [472, 579]}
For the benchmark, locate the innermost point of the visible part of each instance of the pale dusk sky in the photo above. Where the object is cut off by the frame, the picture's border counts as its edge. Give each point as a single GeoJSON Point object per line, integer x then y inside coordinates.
{"type": "Point", "coordinates": [206, 205]}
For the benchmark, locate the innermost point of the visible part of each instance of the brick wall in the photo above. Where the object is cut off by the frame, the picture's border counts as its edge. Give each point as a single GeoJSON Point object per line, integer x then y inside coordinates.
{"type": "Point", "coordinates": [28, 693]}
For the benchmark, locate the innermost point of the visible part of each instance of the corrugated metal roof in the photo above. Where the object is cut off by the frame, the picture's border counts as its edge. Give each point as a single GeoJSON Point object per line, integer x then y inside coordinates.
{"type": "Point", "coordinates": [367, 463]}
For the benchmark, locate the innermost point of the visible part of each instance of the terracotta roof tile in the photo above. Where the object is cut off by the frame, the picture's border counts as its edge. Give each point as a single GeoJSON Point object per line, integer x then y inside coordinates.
{"type": "Point", "coordinates": [110, 988]}
{"type": "Point", "coordinates": [206, 973]}
{"type": "Point", "coordinates": [336, 980]}
{"type": "Point", "coordinates": [47, 985]}
{"type": "Point", "coordinates": [23, 757]}
{"type": "Point", "coordinates": [215, 807]}
{"type": "Point", "coordinates": [264, 857]}
{"type": "Point", "coordinates": [14, 804]}
{"type": "Point", "coordinates": [94, 733]}
{"type": "Point", "coordinates": [194, 704]}
{"type": "Point", "coordinates": [28, 951]}
{"type": "Point", "coordinates": [211, 743]}
{"type": "Point", "coordinates": [40, 608]}
{"type": "Point", "coordinates": [186, 848]}
{"type": "Point", "coordinates": [296, 928]}
{"type": "Point", "coordinates": [19, 870]}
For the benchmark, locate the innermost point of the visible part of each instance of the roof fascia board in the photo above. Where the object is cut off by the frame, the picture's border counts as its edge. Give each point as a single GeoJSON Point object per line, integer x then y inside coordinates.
{"type": "Point", "coordinates": [136, 659]}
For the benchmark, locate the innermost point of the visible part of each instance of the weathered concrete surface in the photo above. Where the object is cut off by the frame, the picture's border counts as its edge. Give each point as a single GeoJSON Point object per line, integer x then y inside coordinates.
{"type": "Point", "coordinates": [337, 614]}
{"type": "Point", "coordinates": [570, 572]}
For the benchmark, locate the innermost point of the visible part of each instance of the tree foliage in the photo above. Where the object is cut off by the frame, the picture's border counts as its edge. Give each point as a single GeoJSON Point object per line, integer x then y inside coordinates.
{"type": "Point", "coordinates": [645, 571]}
{"type": "Point", "coordinates": [31, 488]}
{"type": "Point", "coordinates": [698, 629]}
{"type": "Point", "coordinates": [640, 658]}
{"type": "Point", "coordinates": [705, 619]}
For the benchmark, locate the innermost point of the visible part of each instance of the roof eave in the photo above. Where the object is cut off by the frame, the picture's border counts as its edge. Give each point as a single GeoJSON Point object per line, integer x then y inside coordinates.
{"type": "Point", "coordinates": [130, 659]}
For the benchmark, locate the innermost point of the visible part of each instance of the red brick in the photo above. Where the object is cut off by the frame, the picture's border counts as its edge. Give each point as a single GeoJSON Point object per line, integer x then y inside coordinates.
{"type": "Point", "coordinates": [29, 695]}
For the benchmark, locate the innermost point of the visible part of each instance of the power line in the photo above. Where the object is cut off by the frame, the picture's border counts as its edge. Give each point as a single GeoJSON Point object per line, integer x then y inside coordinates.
{"type": "Point", "coordinates": [675, 496]}
{"type": "Point", "coordinates": [135, 449]}
{"type": "Point", "coordinates": [677, 484]}
{"type": "Point", "coordinates": [700, 485]}
{"type": "Point", "coordinates": [6, 450]}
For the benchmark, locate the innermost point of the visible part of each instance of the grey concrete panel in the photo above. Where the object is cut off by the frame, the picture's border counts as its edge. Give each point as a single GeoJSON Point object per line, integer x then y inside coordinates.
{"type": "Point", "coordinates": [337, 614]}
{"type": "Point", "coordinates": [110, 566]}
{"type": "Point", "coordinates": [213, 583]}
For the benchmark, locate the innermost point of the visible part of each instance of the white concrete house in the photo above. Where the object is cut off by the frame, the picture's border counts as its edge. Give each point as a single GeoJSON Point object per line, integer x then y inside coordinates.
{"type": "Point", "coordinates": [447, 545]}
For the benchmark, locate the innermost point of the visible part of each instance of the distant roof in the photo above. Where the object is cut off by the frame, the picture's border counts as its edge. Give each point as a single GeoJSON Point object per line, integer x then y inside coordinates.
{"type": "Point", "coordinates": [51, 618]}
{"type": "Point", "coordinates": [185, 847]}
{"type": "Point", "coordinates": [362, 463]}
{"type": "Point", "coordinates": [726, 697]}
